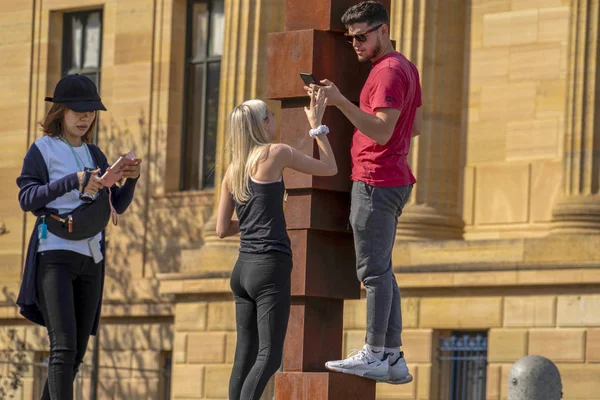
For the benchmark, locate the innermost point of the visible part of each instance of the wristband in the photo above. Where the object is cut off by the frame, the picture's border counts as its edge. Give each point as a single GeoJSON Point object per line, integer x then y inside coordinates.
{"type": "Point", "coordinates": [321, 129]}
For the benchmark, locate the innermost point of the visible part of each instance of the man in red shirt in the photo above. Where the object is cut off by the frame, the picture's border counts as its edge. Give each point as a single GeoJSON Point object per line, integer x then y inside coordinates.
{"type": "Point", "coordinates": [388, 117]}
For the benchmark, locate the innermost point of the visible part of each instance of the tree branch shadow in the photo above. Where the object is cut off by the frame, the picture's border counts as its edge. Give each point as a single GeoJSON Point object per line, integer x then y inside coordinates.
{"type": "Point", "coordinates": [137, 323]}
{"type": "Point", "coordinates": [137, 337]}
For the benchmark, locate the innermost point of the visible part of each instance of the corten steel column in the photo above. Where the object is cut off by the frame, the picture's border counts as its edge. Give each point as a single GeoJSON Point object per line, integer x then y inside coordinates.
{"type": "Point", "coordinates": [317, 209]}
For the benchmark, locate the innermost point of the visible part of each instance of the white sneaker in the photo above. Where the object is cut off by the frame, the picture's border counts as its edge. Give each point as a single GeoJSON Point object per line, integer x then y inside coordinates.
{"type": "Point", "coordinates": [361, 363]}
{"type": "Point", "coordinates": [398, 371]}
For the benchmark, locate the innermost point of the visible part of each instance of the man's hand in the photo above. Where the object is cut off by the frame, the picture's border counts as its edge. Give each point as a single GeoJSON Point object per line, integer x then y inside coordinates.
{"type": "Point", "coordinates": [379, 127]}
{"type": "Point", "coordinates": [332, 93]}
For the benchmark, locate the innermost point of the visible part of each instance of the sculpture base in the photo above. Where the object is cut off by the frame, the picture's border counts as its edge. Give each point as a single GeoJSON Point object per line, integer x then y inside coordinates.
{"type": "Point", "coordinates": [322, 386]}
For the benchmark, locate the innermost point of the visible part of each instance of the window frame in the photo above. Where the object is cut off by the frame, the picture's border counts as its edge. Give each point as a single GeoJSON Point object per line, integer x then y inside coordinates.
{"type": "Point", "coordinates": [468, 358]}
{"type": "Point", "coordinates": [166, 375]}
{"type": "Point", "coordinates": [189, 94]}
{"type": "Point", "coordinates": [67, 41]}
{"type": "Point", "coordinates": [66, 56]}
{"type": "Point", "coordinates": [40, 372]}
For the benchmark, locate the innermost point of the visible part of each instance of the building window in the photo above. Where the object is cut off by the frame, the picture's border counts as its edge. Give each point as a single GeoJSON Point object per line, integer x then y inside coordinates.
{"type": "Point", "coordinates": [40, 373]}
{"type": "Point", "coordinates": [205, 37]}
{"type": "Point", "coordinates": [461, 366]}
{"type": "Point", "coordinates": [82, 46]}
{"type": "Point", "coordinates": [164, 381]}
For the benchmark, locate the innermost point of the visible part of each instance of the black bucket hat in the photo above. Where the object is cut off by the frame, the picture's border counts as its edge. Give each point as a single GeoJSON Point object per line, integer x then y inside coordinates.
{"type": "Point", "coordinates": [77, 93]}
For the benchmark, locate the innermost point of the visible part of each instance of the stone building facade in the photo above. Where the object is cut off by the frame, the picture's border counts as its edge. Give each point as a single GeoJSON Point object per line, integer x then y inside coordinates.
{"type": "Point", "coordinates": [498, 245]}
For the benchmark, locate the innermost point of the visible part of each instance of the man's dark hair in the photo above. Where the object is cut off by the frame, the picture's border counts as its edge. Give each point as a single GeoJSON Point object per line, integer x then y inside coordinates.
{"type": "Point", "coordinates": [371, 12]}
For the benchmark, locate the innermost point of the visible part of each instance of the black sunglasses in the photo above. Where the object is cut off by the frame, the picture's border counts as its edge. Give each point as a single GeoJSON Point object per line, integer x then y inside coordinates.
{"type": "Point", "coordinates": [361, 37]}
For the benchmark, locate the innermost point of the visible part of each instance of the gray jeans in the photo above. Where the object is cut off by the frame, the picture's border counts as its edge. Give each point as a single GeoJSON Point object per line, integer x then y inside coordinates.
{"type": "Point", "coordinates": [374, 216]}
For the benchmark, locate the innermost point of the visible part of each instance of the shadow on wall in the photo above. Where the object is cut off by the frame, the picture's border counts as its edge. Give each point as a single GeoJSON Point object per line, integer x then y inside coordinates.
{"type": "Point", "coordinates": [135, 355]}
{"type": "Point", "coordinates": [155, 229]}
{"type": "Point", "coordinates": [13, 364]}
{"type": "Point", "coordinates": [135, 339]}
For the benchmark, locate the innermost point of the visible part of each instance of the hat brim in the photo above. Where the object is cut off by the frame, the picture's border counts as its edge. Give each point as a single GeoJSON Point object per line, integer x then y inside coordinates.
{"type": "Point", "coordinates": [84, 106]}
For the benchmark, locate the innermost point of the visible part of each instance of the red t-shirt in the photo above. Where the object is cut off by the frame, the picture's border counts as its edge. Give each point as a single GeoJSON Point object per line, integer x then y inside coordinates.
{"type": "Point", "coordinates": [392, 83]}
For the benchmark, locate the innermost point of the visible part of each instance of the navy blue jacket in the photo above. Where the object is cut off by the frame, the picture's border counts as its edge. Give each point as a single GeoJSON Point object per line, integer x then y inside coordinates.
{"type": "Point", "coordinates": [34, 194]}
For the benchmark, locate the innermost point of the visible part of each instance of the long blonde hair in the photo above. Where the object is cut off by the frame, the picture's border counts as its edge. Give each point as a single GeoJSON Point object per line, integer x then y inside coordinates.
{"type": "Point", "coordinates": [249, 142]}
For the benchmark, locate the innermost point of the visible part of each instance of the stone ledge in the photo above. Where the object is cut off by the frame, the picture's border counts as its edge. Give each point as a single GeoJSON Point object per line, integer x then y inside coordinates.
{"type": "Point", "coordinates": [138, 310]}
{"type": "Point", "coordinates": [175, 276]}
{"type": "Point", "coordinates": [514, 278]}
{"type": "Point", "coordinates": [109, 310]}
{"type": "Point", "coordinates": [216, 255]}
{"type": "Point", "coordinates": [556, 249]}
{"type": "Point", "coordinates": [495, 267]}
{"type": "Point", "coordinates": [556, 260]}
{"type": "Point", "coordinates": [552, 252]}
{"type": "Point", "coordinates": [198, 285]}
{"type": "Point", "coordinates": [435, 277]}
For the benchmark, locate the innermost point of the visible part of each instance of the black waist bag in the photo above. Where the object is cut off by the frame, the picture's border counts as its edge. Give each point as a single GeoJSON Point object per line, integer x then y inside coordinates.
{"type": "Point", "coordinates": [84, 222]}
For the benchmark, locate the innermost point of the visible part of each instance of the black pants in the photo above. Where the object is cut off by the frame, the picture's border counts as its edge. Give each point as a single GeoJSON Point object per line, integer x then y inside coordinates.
{"type": "Point", "coordinates": [261, 288]}
{"type": "Point", "coordinates": [68, 289]}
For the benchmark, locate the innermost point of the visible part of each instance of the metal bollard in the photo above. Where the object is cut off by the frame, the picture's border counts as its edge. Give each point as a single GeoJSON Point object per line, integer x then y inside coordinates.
{"type": "Point", "coordinates": [534, 378]}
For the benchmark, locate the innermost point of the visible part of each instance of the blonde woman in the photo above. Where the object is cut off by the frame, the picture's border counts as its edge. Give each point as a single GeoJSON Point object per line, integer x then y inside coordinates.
{"type": "Point", "coordinates": [260, 281]}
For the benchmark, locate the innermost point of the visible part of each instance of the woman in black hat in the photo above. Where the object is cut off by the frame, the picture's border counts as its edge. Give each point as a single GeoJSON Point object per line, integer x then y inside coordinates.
{"type": "Point", "coordinates": [64, 270]}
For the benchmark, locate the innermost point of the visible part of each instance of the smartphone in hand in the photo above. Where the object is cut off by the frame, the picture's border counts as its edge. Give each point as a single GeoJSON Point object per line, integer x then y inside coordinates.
{"type": "Point", "coordinates": [113, 174]}
{"type": "Point", "coordinates": [308, 78]}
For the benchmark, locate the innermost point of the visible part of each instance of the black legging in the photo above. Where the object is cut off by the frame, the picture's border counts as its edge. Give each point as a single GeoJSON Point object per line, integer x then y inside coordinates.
{"type": "Point", "coordinates": [69, 286]}
{"type": "Point", "coordinates": [261, 288]}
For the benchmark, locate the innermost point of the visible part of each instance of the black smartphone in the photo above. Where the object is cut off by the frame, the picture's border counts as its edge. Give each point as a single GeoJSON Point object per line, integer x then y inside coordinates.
{"type": "Point", "coordinates": [308, 78]}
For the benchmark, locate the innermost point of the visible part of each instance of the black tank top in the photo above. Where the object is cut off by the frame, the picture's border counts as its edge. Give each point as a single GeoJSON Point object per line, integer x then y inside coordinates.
{"type": "Point", "coordinates": [261, 219]}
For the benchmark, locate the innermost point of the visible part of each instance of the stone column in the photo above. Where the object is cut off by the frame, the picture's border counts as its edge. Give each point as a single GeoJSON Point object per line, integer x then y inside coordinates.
{"type": "Point", "coordinates": [242, 78]}
{"type": "Point", "coordinates": [578, 209]}
{"type": "Point", "coordinates": [432, 34]}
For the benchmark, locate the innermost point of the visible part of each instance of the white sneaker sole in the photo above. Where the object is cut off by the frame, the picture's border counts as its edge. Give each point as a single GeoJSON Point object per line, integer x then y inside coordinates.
{"type": "Point", "coordinates": [407, 379]}
{"type": "Point", "coordinates": [363, 373]}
